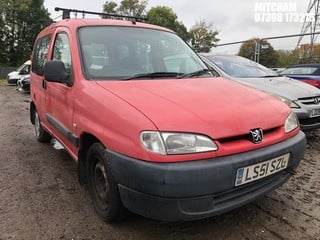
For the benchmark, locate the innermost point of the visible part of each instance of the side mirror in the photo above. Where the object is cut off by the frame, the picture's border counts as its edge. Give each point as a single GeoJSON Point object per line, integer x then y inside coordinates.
{"type": "Point", "coordinates": [55, 71]}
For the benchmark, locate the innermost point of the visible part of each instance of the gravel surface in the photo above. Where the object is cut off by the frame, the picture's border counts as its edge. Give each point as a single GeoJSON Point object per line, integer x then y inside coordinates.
{"type": "Point", "coordinates": [40, 197]}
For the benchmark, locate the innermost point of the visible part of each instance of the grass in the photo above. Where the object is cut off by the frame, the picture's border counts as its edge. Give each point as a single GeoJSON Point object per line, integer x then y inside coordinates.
{"type": "Point", "coordinates": [3, 82]}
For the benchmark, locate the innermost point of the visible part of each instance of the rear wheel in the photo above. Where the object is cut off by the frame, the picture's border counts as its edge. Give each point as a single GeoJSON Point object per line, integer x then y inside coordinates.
{"type": "Point", "coordinates": [41, 134]}
{"type": "Point", "coordinates": [102, 186]}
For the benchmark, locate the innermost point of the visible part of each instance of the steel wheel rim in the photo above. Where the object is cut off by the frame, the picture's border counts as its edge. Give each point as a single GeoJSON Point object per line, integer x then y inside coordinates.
{"type": "Point", "coordinates": [101, 184]}
{"type": "Point", "coordinates": [37, 124]}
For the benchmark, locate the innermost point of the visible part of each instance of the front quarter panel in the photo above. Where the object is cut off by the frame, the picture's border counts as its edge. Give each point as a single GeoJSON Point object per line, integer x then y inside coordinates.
{"type": "Point", "coordinates": [114, 122]}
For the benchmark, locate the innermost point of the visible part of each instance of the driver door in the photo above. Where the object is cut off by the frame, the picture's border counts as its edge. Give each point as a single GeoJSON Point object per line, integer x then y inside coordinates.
{"type": "Point", "coordinates": [60, 97]}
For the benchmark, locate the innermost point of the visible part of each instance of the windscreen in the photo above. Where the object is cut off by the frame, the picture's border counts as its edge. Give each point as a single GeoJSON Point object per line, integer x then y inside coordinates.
{"type": "Point", "coordinates": [120, 53]}
{"type": "Point", "coordinates": [240, 67]}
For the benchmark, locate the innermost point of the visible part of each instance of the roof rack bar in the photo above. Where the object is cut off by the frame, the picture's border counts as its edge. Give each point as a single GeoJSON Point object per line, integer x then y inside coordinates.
{"type": "Point", "coordinates": [66, 14]}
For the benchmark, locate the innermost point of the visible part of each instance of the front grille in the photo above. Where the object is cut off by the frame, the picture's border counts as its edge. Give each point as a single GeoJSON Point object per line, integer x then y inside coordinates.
{"type": "Point", "coordinates": [315, 100]}
{"type": "Point", "coordinates": [228, 140]}
{"type": "Point", "coordinates": [309, 121]}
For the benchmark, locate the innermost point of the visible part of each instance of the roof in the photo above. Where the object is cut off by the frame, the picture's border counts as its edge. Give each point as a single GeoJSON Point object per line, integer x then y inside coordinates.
{"type": "Point", "coordinates": [76, 23]}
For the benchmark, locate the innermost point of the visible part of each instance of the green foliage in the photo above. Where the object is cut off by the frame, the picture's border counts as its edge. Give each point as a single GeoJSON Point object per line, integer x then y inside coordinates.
{"type": "Point", "coordinates": [135, 8]}
{"type": "Point", "coordinates": [203, 37]}
{"type": "Point", "coordinates": [287, 58]}
{"type": "Point", "coordinates": [268, 56]}
{"type": "Point", "coordinates": [20, 22]}
{"type": "Point", "coordinates": [307, 53]}
{"type": "Point", "coordinates": [110, 7]}
{"type": "Point", "coordinates": [247, 49]}
{"type": "Point", "coordinates": [165, 17]}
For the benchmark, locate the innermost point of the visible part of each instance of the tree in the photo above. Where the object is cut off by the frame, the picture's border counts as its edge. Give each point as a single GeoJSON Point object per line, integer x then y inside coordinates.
{"type": "Point", "coordinates": [161, 16]}
{"type": "Point", "coordinates": [136, 8]}
{"type": "Point", "coordinates": [203, 37]}
{"type": "Point", "coordinates": [287, 58]}
{"type": "Point", "coordinates": [19, 28]}
{"type": "Point", "coordinates": [30, 27]}
{"type": "Point", "coordinates": [110, 7]}
{"type": "Point", "coordinates": [165, 17]}
{"type": "Point", "coordinates": [3, 35]}
{"type": "Point", "coordinates": [9, 20]}
{"type": "Point", "coordinates": [307, 53]}
{"type": "Point", "coordinates": [268, 56]}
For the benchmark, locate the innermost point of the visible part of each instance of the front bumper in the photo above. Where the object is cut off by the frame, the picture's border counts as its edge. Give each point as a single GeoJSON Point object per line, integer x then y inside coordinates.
{"type": "Point", "coordinates": [12, 80]}
{"type": "Point", "coordinates": [197, 189]}
{"type": "Point", "coordinates": [25, 85]}
{"type": "Point", "coordinates": [306, 122]}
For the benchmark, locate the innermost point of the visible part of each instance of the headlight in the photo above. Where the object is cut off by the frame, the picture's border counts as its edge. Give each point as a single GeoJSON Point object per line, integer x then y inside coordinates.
{"type": "Point", "coordinates": [285, 100]}
{"type": "Point", "coordinates": [291, 122]}
{"type": "Point", "coordinates": [176, 143]}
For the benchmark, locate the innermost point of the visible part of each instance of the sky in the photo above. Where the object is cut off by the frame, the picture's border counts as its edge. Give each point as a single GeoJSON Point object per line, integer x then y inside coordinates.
{"type": "Point", "coordinates": [235, 20]}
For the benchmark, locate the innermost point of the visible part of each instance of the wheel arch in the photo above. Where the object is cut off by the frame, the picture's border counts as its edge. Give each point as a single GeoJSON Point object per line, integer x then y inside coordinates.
{"type": "Point", "coordinates": [32, 111]}
{"type": "Point", "coordinates": [85, 142]}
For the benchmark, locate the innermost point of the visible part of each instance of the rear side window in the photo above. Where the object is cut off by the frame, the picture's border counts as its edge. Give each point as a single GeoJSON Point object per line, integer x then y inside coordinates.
{"type": "Point", "coordinates": [40, 55]}
{"type": "Point", "coordinates": [300, 70]}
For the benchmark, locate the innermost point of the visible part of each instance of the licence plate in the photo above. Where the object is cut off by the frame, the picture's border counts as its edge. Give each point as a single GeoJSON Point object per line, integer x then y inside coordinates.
{"type": "Point", "coordinates": [260, 170]}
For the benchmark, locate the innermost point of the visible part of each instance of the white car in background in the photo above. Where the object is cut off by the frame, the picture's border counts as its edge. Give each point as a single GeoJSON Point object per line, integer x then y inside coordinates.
{"type": "Point", "coordinates": [24, 70]}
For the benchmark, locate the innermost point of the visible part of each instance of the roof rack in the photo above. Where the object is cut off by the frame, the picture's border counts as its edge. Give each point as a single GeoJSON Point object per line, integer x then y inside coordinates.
{"type": "Point", "coordinates": [66, 14]}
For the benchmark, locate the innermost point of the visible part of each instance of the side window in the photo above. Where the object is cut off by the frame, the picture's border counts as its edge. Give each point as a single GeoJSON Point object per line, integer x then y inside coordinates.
{"type": "Point", "coordinates": [25, 70]}
{"type": "Point", "coordinates": [61, 50]}
{"type": "Point", "coordinates": [40, 54]}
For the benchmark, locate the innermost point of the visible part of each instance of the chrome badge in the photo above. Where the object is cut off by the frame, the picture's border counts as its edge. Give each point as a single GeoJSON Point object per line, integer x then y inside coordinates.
{"type": "Point", "coordinates": [256, 135]}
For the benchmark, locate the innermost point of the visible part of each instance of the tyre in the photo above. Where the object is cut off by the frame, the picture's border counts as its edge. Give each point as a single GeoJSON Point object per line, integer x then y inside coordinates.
{"type": "Point", "coordinates": [102, 186]}
{"type": "Point", "coordinates": [41, 134]}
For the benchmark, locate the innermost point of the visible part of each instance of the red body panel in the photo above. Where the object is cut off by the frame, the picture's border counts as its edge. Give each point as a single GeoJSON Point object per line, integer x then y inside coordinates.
{"type": "Point", "coordinates": [121, 99]}
{"type": "Point", "coordinates": [201, 105]}
{"type": "Point", "coordinates": [116, 112]}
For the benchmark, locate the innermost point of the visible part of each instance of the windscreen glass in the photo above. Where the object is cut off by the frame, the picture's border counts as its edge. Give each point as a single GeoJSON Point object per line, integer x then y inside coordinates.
{"type": "Point", "coordinates": [121, 53]}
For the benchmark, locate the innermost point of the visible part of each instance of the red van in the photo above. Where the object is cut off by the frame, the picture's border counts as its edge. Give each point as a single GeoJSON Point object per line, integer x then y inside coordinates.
{"type": "Point", "coordinates": [151, 129]}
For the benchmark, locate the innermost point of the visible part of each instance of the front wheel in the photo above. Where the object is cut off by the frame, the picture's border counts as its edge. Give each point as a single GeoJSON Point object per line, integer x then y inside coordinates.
{"type": "Point", "coordinates": [102, 186]}
{"type": "Point", "coordinates": [41, 134]}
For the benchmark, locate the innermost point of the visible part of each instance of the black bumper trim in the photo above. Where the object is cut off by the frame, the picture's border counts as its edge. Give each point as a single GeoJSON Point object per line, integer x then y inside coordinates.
{"type": "Point", "coordinates": [187, 209]}
{"type": "Point", "coordinates": [63, 130]}
{"type": "Point", "coordinates": [197, 189]}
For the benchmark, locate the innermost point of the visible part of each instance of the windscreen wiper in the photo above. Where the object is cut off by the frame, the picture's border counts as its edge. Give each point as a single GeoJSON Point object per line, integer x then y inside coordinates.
{"type": "Point", "coordinates": [154, 75]}
{"type": "Point", "coordinates": [270, 76]}
{"type": "Point", "coordinates": [196, 73]}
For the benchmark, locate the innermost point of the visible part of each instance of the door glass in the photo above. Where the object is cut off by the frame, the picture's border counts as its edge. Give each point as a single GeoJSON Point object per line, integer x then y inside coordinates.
{"type": "Point", "coordinates": [61, 51]}
{"type": "Point", "coordinates": [40, 55]}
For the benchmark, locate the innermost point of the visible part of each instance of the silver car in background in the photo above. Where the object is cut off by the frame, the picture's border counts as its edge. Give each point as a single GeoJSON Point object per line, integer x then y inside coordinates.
{"type": "Point", "coordinates": [303, 98]}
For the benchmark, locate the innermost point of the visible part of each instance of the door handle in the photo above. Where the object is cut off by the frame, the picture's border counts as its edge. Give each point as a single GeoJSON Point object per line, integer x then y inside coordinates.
{"type": "Point", "coordinates": [44, 84]}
